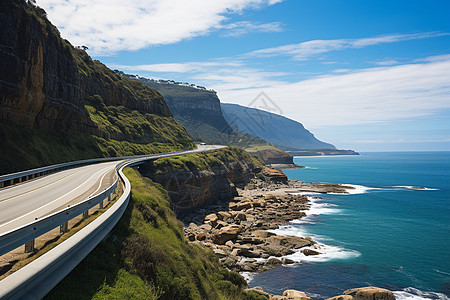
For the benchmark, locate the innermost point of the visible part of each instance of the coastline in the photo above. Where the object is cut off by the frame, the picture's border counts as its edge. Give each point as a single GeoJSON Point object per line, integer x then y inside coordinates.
{"type": "Point", "coordinates": [243, 233]}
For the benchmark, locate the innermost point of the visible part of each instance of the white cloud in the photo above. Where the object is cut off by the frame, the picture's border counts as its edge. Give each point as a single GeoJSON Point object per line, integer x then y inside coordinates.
{"type": "Point", "coordinates": [353, 97]}
{"type": "Point", "coordinates": [179, 67]}
{"type": "Point", "coordinates": [241, 28]}
{"type": "Point", "coordinates": [365, 96]}
{"type": "Point", "coordinates": [306, 50]}
{"type": "Point", "coordinates": [108, 26]}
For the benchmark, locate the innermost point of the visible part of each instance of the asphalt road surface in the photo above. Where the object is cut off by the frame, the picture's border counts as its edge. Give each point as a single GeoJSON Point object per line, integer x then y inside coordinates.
{"type": "Point", "coordinates": [23, 203]}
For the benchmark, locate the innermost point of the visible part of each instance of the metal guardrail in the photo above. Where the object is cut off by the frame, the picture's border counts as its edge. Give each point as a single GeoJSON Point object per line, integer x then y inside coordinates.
{"type": "Point", "coordinates": [18, 177]}
{"type": "Point", "coordinates": [21, 235]}
{"type": "Point", "coordinates": [37, 278]}
{"type": "Point", "coordinates": [17, 237]}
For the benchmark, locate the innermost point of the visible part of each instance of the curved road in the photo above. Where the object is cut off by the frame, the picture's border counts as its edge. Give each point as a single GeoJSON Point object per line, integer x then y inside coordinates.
{"type": "Point", "coordinates": [23, 203]}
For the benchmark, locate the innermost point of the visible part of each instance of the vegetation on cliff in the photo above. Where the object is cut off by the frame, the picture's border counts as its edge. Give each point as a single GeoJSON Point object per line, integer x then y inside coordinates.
{"type": "Point", "coordinates": [204, 161]}
{"type": "Point", "coordinates": [195, 180]}
{"type": "Point", "coordinates": [148, 257]}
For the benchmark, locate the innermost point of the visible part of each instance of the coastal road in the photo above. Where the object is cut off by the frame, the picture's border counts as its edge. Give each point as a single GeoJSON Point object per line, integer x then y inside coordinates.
{"type": "Point", "coordinates": [31, 200]}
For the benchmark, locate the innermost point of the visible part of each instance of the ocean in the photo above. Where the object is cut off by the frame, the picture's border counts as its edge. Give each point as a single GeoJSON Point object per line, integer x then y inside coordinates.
{"type": "Point", "coordinates": [384, 233]}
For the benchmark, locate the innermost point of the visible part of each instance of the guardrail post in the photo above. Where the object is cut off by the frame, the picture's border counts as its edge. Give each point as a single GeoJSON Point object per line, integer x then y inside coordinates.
{"type": "Point", "coordinates": [101, 204]}
{"type": "Point", "coordinates": [63, 228]}
{"type": "Point", "coordinates": [29, 246]}
{"type": "Point", "coordinates": [85, 214]}
{"type": "Point", "coordinates": [2, 184]}
{"type": "Point", "coordinates": [11, 182]}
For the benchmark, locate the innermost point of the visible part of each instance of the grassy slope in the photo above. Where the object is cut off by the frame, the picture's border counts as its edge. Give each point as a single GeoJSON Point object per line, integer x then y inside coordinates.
{"type": "Point", "coordinates": [204, 161]}
{"type": "Point", "coordinates": [148, 257]}
{"type": "Point", "coordinates": [25, 148]}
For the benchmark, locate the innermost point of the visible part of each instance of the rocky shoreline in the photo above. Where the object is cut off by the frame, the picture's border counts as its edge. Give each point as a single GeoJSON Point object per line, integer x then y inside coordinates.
{"type": "Point", "coordinates": [238, 231]}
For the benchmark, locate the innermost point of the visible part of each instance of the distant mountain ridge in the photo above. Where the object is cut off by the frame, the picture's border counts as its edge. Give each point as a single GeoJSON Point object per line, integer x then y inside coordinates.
{"type": "Point", "coordinates": [199, 111]}
{"type": "Point", "coordinates": [285, 133]}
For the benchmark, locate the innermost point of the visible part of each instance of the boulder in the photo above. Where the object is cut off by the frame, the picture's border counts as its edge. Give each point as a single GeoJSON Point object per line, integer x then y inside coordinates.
{"type": "Point", "coordinates": [370, 293]}
{"type": "Point", "coordinates": [220, 253]}
{"type": "Point", "coordinates": [258, 290]}
{"type": "Point", "coordinates": [221, 224]}
{"type": "Point", "coordinates": [289, 241]}
{"type": "Point", "coordinates": [274, 261]}
{"type": "Point", "coordinates": [212, 219]}
{"type": "Point", "coordinates": [240, 206]}
{"type": "Point", "coordinates": [223, 215]}
{"type": "Point", "coordinates": [192, 226]}
{"type": "Point", "coordinates": [241, 217]}
{"type": "Point", "coordinates": [225, 234]}
{"type": "Point", "coordinates": [341, 297]}
{"type": "Point", "coordinates": [262, 234]}
{"type": "Point", "coordinates": [201, 236]}
{"type": "Point", "coordinates": [295, 295]}
{"type": "Point", "coordinates": [205, 227]}
{"type": "Point", "coordinates": [249, 253]}
{"type": "Point", "coordinates": [230, 244]}
{"type": "Point", "coordinates": [287, 261]}
{"type": "Point", "coordinates": [309, 252]}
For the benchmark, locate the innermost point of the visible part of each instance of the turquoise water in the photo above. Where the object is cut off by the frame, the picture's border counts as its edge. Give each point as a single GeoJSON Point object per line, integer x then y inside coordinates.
{"type": "Point", "coordinates": [386, 234]}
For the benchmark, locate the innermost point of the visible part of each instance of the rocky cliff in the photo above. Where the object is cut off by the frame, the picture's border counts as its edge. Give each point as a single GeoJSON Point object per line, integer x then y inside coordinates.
{"type": "Point", "coordinates": [191, 103]}
{"type": "Point", "coordinates": [54, 96]}
{"type": "Point", "coordinates": [200, 112]}
{"type": "Point", "coordinates": [39, 80]}
{"type": "Point", "coordinates": [205, 178]}
{"type": "Point", "coordinates": [44, 80]}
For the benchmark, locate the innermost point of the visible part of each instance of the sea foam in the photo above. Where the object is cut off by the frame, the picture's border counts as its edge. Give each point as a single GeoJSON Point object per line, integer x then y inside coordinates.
{"type": "Point", "coordinates": [410, 187]}
{"type": "Point", "coordinates": [328, 252]}
{"type": "Point", "coordinates": [411, 293]}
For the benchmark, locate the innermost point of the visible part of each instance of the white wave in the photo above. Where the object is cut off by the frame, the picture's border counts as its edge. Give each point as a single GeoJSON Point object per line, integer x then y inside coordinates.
{"type": "Point", "coordinates": [248, 276]}
{"type": "Point", "coordinates": [356, 189]}
{"type": "Point", "coordinates": [441, 272]}
{"type": "Point", "coordinates": [305, 193]}
{"type": "Point", "coordinates": [322, 209]}
{"type": "Point", "coordinates": [328, 252]}
{"type": "Point", "coordinates": [411, 293]}
{"type": "Point", "coordinates": [410, 187]}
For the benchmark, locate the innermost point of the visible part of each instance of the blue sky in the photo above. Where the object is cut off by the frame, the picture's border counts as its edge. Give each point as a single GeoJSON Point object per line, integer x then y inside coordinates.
{"type": "Point", "coordinates": [369, 75]}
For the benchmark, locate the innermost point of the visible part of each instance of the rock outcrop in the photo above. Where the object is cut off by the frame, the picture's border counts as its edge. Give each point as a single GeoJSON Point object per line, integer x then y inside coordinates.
{"type": "Point", "coordinates": [370, 293]}
{"type": "Point", "coordinates": [205, 178]}
{"type": "Point", "coordinates": [365, 293]}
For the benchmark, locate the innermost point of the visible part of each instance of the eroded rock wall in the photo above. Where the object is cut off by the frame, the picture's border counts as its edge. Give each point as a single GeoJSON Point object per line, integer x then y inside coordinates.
{"type": "Point", "coordinates": [205, 181]}
{"type": "Point", "coordinates": [39, 80]}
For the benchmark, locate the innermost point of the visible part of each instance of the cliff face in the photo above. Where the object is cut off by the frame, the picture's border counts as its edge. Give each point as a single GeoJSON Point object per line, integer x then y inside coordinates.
{"type": "Point", "coordinates": [39, 81]}
{"type": "Point", "coordinates": [97, 79]}
{"type": "Point", "coordinates": [205, 178]}
{"type": "Point", "coordinates": [193, 104]}
{"type": "Point", "coordinates": [200, 112]}
{"type": "Point", "coordinates": [57, 104]}
{"type": "Point", "coordinates": [44, 80]}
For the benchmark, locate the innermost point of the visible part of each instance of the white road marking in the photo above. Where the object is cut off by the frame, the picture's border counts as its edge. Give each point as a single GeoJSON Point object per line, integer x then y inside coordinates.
{"type": "Point", "coordinates": [33, 211]}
